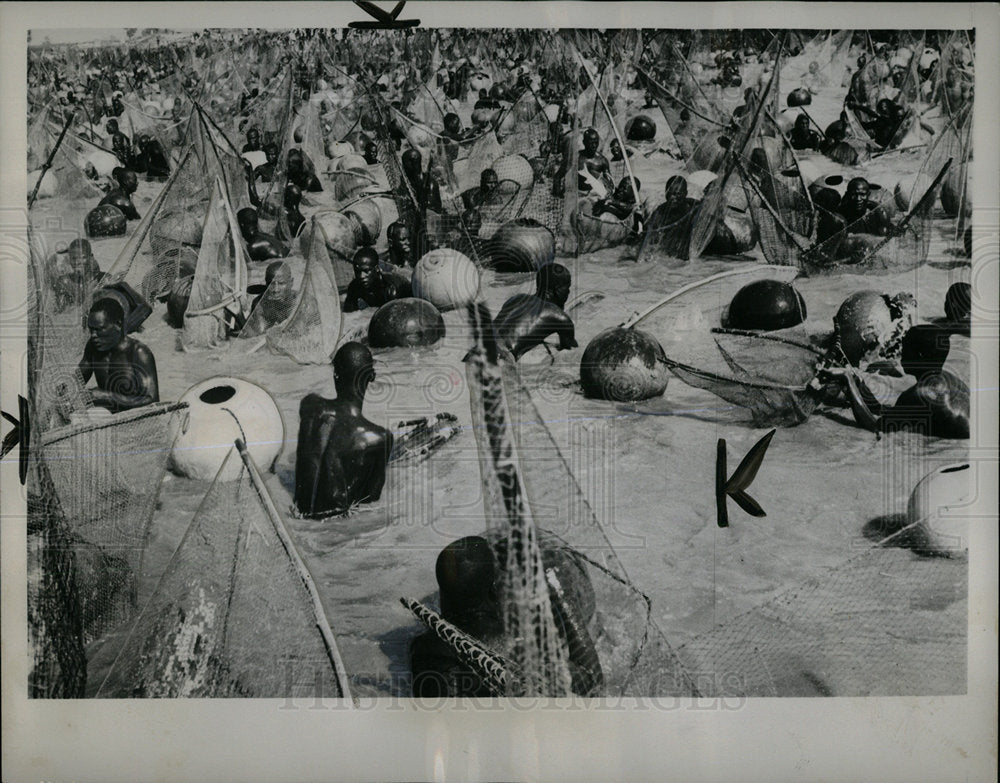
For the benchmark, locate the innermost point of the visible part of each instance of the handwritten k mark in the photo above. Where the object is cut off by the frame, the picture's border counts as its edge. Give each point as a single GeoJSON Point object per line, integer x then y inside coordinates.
{"type": "Point", "coordinates": [741, 479]}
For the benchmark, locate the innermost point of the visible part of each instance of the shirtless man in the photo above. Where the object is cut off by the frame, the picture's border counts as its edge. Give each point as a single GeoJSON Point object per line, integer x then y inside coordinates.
{"type": "Point", "coordinates": [253, 141]}
{"type": "Point", "coordinates": [860, 214]}
{"type": "Point", "coordinates": [487, 192]}
{"type": "Point", "coordinates": [121, 196]}
{"type": "Point", "coordinates": [621, 204]}
{"type": "Point", "coordinates": [341, 456]}
{"type": "Point", "coordinates": [369, 288]}
{"type": "Point", "coordinates": [525, 320]}
{"type": "Point", "coordinates": [276, 302]}
{"type": "Point", "coordinates": [123, 367]}
{"type": "Point", "coordinates": [73, 272]}
{"type": "Point", "coordinates": [595, 171]}
{"type": "Point", "coordinates": [426, 190]}
{"type": "Point", "coordinates": [290, 207]}
{"type": "Point", "coordinates": [153, 156]}
{"type": "Point", "coordinates": [802, 136]}
{"type": "Point", "coordinates": [669, 226]}
{"type": "Point", "coordinates": [400, 244]}
{"type": "Point", "coordinates": [261, 246]}
{"type": "Point", "coordinates": [121, 146]}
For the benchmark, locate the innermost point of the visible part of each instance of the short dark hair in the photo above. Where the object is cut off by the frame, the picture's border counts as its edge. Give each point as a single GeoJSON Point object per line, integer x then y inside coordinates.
{"type": "Point", "coordinates": [111, 309]}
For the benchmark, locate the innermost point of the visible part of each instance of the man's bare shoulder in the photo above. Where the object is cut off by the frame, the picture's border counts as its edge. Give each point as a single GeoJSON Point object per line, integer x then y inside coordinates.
{"type": "Point", "coordinates": [314, 405]}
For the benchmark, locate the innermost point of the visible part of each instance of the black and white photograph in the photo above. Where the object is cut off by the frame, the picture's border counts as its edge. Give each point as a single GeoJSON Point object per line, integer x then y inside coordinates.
{"type": "Point", "coordinates": [500, 363]}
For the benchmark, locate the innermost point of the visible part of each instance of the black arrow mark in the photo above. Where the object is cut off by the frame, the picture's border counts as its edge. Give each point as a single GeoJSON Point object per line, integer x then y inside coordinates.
{"type": "Point", "coordinates": [741, 479]}
{"type": "Point", "coordinates": [19, 435]}
{"type": "Point", "coordinates": [386, 20]}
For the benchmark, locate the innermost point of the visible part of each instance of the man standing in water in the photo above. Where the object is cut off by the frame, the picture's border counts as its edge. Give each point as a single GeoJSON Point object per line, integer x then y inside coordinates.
{"type": "Point", "coordinates": [341, 456]}
{"type": "Point", "coordinates": [124, 368]}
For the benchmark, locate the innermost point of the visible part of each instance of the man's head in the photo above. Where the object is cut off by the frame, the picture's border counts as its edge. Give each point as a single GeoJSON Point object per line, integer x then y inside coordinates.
{"type": "Point", "coordinates": [675, 190]}
{"type": "Point", "coordinates": [353, 370]}
{"type": "Point", "coordinates": [400, 243]}
{"type": "Point", "coordinates": [411, 162]}
{"type": "Point", "coordinates": [857, 193]}
{"type": "Point", "coordinates": [924, 349]}
{"type": "Point", "coordinates": [371, 152]}
{"type": "Point", "coordinates": [278, 279]}
{"type": "Point", "coordinates": [466, 572]}
{"type": "Point", "coordinates": [105, 324]}
{"type": "Point", "coordinates": [253, 138]}
{"type": "Point", "coordinates": [271, 152]}
{"type": "Point", "coordinates": [293, 195]}
{"type": "Point", "coordinates": [591, 141]}
{"type": "Point", "coordinates": [296, 163]}
{"type": "Point", "coordinates": [366, 269]}
{"type": "Point", "coordinates": [127, 180]}
{"type": "Point", "coordinates": [616, 150]}
{"type": "Point", "coordinates": [801, 124]}
{"type": "Point", "coordinates": [958, 303]}
{"type": "Point", "coordinates": [624, 190]}
{"type": "Point", "coordinates": [247, 220]}
{"type": "Point", "coordinates": [553, 283]}
{"type": "Point", "coordinates": [79, 253]}
{"type": "Point", "coordinates": [452, 123]}
{"type": "Point", "coordinates": [111, 126]}
{"type": "Point", "coordinates": [489, 182]}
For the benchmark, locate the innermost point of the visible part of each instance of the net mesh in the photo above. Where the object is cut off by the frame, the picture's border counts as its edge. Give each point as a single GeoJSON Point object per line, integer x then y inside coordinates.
{"type": "Point", "coordinates": [854, 250]}
{"type": "Point", "coordinates": [778, 200]}
{"type": "Point", "coordinates": [617, 632]}
{"type": "Point", "coordinates": [231, 616]}
{"type": "Point", "coordinates": [55, 631]}
{"type": "Point", "coordinates": [311, 333]}
{"type": "Point", "coordinates": [534, 646]}
{"type": "Point", "coordinates": [767, 375]}
{"type": "Point", "coordinates": [885, 623]}
{"type": "Point", "coordinates": [218, 292]}
{"type": "Point", "coordinates": [107, 477]}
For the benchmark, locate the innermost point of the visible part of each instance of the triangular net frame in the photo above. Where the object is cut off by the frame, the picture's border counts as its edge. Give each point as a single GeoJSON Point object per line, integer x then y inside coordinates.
{"type": "Point", "coordinates": [523, 470]}
{"type": "Point", "coordinates": [310, 335]}
{"type": "Point", "coordinates": [218, 291]}
{"type": "Point", "coordinates": [853, 251]}
{"type": "Point", "coordinates": [106, 475]}
{"type": "Point", "coordinates": [235, 613]}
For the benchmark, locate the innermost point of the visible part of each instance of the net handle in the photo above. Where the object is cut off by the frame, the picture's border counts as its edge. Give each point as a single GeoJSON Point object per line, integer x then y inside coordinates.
{"type": "Point", "coordinates": [635, 319]}
{"type": "Point", "coordinates": [307, 581]}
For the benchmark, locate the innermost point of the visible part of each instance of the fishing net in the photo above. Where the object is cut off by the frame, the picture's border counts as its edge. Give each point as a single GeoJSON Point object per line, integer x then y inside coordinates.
{"type": "Point", "coordinates": [520, 461]}
{"type": "Point", "coordinates": [853, 250]}
{"type": "Point", "coordinates": [55, 629]}
{"type": "Point", "coordinates": [175, 222]}
{"type": "Point", "coordinates": [234, 614]}
{"type": "Point", "coordinates": [218, 292]}
{"type": "Point", "coordinates": [778, 199]}
{"type": "Point", "coordinates": [75, 172]}
{"type": "Point", "coordinates": [767, 374]}
{"type": "Point", "coordinates": [953, 143]}
{"type": "Point", "coordinates": [535, 648]}
{"type": "Point", "coordinates": [954, 76]}
{"type": "Point", "coordinates": [58, 307]}
{"type": "Point", "coordinates": [694, 121]}
{"type": "Point", "coordinates": [311, 334]}
{"type": "Point", "coordinates": [106, 475]}
{"type": "Point", "coordinates": [885, 623]}
{"type": "Point", "coordinates": [524, 126]}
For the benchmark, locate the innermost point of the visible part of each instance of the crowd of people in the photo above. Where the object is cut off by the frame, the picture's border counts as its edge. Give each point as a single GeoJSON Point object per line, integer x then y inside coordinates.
{"type": "Point", "coordinates": [396, 103]}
